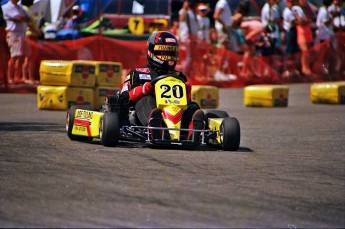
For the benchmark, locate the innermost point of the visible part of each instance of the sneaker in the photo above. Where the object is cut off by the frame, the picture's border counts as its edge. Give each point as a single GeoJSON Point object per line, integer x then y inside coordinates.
{"type": "Point", "coordinates": [197, 123]}
{"type": "Point", "coordinates": [156, 120]}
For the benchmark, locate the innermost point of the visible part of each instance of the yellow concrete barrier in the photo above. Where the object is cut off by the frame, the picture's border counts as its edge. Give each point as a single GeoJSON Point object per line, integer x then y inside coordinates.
{"type": "Point", "coordinates": [266, 95]}
{"type": "Point", "coordinates": [63, 97]}
{"type": "Point", "coordinates": [328, 92]}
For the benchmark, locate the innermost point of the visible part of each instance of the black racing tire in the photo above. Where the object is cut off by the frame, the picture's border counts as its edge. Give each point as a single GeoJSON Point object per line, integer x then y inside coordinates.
{"type": "Point", "coordinates": [110, 129]}
{"type": "Point", "coordinates": [70, 120]}
{"type": "Point", "coordinates": [214, 114]}
{"type": "Point", "coordinates": [230, 134]}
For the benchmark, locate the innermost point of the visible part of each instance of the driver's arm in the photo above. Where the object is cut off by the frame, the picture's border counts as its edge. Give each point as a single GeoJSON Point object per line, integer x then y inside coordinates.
{"type": "Point", "coordinates": [137, 90]}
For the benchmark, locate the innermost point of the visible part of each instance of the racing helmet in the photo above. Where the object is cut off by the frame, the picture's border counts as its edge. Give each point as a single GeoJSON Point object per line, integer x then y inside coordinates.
{"type": "Point", "coordinates": [162, 50]}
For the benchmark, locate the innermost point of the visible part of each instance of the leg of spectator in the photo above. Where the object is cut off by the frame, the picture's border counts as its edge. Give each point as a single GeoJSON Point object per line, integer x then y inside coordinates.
{"type": "Point", "coordinates": [25, 72]}
{"type": "Point", "coordinates": [10, 70]}
{"type": "Point", "coordinates": [18, 70]}
{"type": "Point", "coordinates": [305, 57]}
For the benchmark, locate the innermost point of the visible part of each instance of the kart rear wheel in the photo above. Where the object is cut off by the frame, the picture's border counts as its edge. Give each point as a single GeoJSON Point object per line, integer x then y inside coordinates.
{"type": "Point", "coordinates": [110, 131]}
{"type": "Point", "coordinates": [230, 134]}
{"type": "Point", "coordinates": [70, 121]}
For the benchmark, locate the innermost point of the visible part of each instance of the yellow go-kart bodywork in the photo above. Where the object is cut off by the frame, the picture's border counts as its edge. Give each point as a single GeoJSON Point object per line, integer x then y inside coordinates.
{"type": "Point", "coordinates": [220, 130]}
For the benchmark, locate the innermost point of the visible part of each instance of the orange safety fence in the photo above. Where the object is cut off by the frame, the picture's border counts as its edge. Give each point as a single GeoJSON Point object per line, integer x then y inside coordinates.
{"type": "Point", "coordinates": [209, 65]}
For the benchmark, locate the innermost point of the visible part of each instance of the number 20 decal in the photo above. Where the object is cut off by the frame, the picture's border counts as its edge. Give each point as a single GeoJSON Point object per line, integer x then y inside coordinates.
{"type": "Point", "coordinates": [177, 91]}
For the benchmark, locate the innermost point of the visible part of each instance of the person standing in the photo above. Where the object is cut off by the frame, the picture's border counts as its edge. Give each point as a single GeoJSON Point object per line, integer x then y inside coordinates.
{"type": "Point", "coordinates": [290, 37]}
{"type": "Point", "coordinates": [242, 44]}
{"type": "Point", "coordinates": [324, 22]}
{"type": "Point", "coordinates": [16, 20]}
{"type": "Point", "coordinates": [337, 11]}
{"type": "Point", "coordinates": [188, 28]}
{"type": "Point", "coordinates": [204, 22]}
{"type": "Point", "coordinates": [222, 16]}
{"type": "Point", "coordinates": [289, 26]}
{"type": "Point", "coordinates": [304, 35]}
{"type": "Point", "coordinates": [270, 18]}
{"type": "Point", "coordinates": [33, 33]}
{"type": "Point", "coordinates": [3, 46]}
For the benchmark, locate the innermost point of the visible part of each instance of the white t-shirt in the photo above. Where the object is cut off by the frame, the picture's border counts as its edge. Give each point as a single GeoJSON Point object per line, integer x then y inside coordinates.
{"type": "Point", "coordinates": [288, 18]}
{"type": "Point", "coordinates": [270, 14]}
{"type": "Point", "coordinates": [204, 28]}
{"type": "Point", "coordinates": [183, 26]}
{"type": "Point", "coordinates": [225, 15]}
{"type": "Point", "coordinates": [338, 21]}
{"type": "Point", "coordinates": [11, 11]}
{"type": "Point", "coordinates": [325, 31]}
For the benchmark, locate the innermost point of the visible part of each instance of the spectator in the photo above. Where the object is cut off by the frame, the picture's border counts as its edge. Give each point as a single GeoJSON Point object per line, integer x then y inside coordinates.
{"type": "Point", "coordinates": [338, 15]}
{"type": "Point", "coordinates": [33, 33]}
{"type": "Point", "coordinates": [238, 35]}
{"type": "Point", "coordinates": [324, 22]}
{"type": "Point", "coordinates": [213, 36]}
{"type": "Point", "coordinates": [264, 43]}
{"type": "Point", "coordinates": [290, 37]}
{"type": "Point", "coordinates": [188, 26]}
{"type": "Point", "coordinates": [174, 29]}
{"type": "Point", "coordinates": [222, 16]}
{"type": "Point", "coordinates": [74, 22]}
{"type": "Point", "coordinates": [204, 22]}
{"type": "Point", "coordinates": [289, 26]}
{"type": "Point", "coordinates": [304, 35]}
{"type": "Point", "coordinates": [3, 46]}
{"type": "Point", "coordinates": [270, 18]}
{"type": "Point", "coordinates": [16, 19]}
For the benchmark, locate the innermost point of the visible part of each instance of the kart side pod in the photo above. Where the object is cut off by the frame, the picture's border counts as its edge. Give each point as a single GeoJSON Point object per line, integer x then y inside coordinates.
{"type": "Point", "coordinates": [87, 123]}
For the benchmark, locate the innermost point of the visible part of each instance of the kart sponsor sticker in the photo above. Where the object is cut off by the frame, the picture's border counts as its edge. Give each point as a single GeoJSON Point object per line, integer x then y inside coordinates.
{"type": "Point", "coordinates": [82, 114]}
{"type": "Point", "coordinates": [169, 101]}
{"type": "Point", "coordinates": [170, 40]}
{"type": "Point", "coordinates": [165, 58]}
{"type": "Point", "coordinates": [145, 76]}
{"type": "Point", "coordinates": [145, 70]}
{"type": "Point", "coordinates": [166, 48]}
{"type": "Point", "coordinates": [82, 125]}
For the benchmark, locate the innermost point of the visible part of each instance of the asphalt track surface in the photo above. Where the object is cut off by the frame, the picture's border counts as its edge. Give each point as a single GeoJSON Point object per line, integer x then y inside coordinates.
{"type": "Point", "coordinates": [288, 173]}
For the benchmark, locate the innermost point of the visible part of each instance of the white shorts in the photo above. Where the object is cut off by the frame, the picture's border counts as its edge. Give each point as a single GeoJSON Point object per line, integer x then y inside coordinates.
{"type": "Point", "coordinates": [15, 43]}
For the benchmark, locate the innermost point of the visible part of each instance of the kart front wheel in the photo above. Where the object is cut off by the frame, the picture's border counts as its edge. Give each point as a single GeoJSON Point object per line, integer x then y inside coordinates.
{"type": "Point", "coordinates": [70, 121]}
{"type": "Point", "coordinates": [230, 134]}
{"type": "Point", "coordinates": [110, 131]}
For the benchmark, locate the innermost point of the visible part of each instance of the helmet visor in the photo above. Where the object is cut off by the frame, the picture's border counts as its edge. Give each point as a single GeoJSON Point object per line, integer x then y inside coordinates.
{"type": "Point", "coordinates": [166, 52]}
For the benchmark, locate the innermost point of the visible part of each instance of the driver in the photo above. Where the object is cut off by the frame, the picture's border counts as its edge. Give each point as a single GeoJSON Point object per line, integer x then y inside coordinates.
{"type": "Point", "coordinates": [138, 92]}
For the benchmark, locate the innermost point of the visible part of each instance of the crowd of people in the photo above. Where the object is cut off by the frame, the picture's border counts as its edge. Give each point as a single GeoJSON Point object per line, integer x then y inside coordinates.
{"type": "Point", "coordinates": [19, 27]}
{"type": "Point", "coordinates": [19, 23]}
{"type": "Point", "coordinates": [287, 31]}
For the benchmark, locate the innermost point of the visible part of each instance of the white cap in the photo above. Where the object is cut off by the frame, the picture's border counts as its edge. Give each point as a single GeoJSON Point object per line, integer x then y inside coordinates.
{"type": "Point", "coordinates": [76, 7]}
{"type": "Point", "coordinates": [202, 7]}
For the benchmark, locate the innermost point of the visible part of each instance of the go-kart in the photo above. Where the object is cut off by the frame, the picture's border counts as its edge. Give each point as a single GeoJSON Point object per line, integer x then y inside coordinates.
{"type": "Point", "coordinates": [221, 131]}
